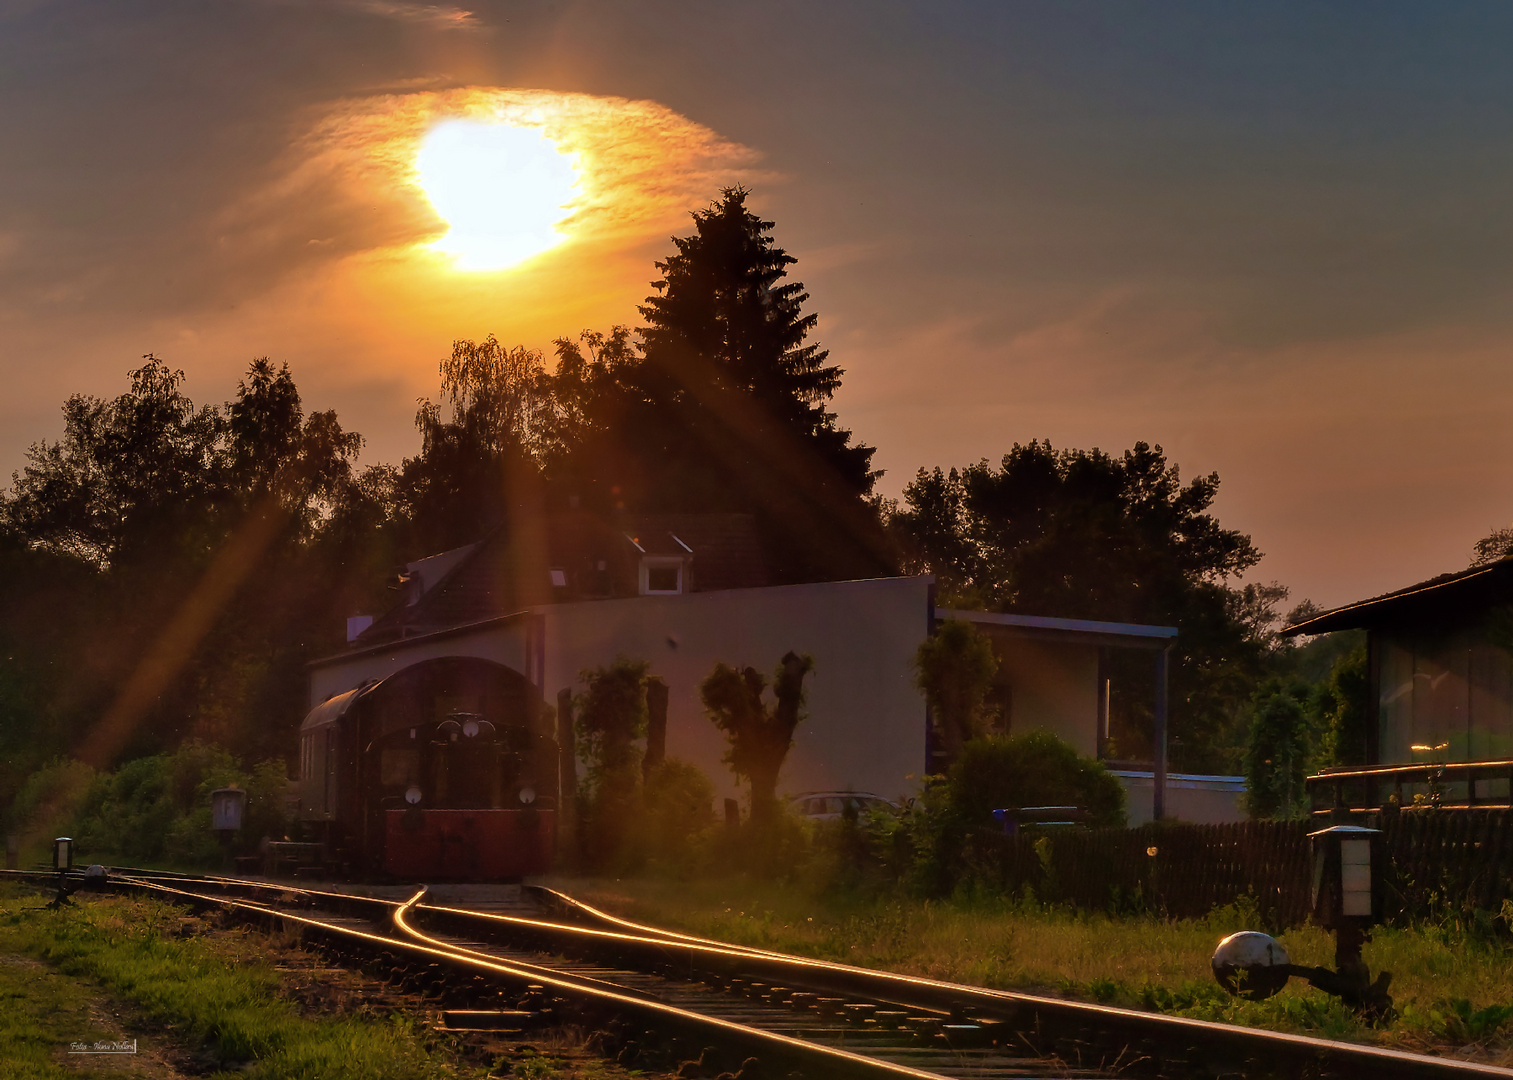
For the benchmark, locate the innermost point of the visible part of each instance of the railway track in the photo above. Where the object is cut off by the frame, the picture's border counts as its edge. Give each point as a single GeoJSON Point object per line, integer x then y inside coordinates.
{"type": "Point", "coordinates": [657, 998]}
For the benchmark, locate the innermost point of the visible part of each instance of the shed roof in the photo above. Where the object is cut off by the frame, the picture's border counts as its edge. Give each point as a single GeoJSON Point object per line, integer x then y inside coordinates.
{"type": "Point", "coordinates": [1074, 631]}
{"type": "Point", "coordinates": [1446, 598]}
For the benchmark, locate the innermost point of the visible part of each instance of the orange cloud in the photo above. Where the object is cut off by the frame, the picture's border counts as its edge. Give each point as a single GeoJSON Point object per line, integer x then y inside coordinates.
{"type": "Point", "coordinates": [346, 224]}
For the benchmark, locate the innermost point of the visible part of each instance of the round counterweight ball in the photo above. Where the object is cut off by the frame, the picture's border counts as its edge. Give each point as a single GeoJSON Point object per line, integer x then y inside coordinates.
{"type": "Point", "coordinates": [1251, 964]}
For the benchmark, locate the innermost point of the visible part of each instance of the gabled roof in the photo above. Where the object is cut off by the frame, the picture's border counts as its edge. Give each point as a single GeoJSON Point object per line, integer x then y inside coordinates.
{"type": "Point", "coordinates": [568, 557]}
{"type": "Point", "coordinates": [1446, 598]}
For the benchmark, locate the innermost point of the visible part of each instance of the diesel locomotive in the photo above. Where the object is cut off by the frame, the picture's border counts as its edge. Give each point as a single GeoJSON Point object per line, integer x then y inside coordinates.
{"type": "Point", "coordinates": [443, 771]}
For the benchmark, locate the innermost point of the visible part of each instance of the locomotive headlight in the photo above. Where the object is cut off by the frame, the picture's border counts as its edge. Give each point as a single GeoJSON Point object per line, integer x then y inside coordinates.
{"type": "Point", "coordinates": [527, 795]}
{"type": "Point", "coordinates": [470, 727]}
{"type": "Point", "coordinates": [412, 795]}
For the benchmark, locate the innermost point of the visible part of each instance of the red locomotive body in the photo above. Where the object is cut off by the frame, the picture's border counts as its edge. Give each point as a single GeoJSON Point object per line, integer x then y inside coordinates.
{"type": "Point", "coordinates": [443, 771]}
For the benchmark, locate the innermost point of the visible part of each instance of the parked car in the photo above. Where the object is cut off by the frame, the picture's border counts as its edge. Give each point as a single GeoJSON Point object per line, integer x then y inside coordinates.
{"type": "Point", "coordinates": [833, 805]}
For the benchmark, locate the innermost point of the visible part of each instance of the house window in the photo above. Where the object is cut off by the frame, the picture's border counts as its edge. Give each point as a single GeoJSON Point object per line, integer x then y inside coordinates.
{"type": "Point", "coordinates": [661, 576]}
{"type": "Point", "coordinates": [559, 578]}
{"type": "Point", "coordinates": [663, 579]}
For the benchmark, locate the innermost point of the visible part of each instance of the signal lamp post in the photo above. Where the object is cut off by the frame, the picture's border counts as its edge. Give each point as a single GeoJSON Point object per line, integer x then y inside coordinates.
{"type": "Point", "coordinates": [1346, 900]}
{"type": "Point", "coordinates": [63, 862]}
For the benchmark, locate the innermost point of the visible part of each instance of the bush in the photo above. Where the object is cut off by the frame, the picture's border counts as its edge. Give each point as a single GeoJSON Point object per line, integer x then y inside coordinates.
{"type": "Point", "coordinates": [48, 800]}
{"type": "Point", "coordinates": [154, 807]}
{"type": "Point", "coordinates": [1033, 769]}
{"type": "Point", "coordinates": [678, 816]}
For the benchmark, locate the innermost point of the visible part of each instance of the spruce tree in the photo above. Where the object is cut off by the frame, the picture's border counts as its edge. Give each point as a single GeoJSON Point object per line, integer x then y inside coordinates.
{"type": "Point", "coordinates": [726, 321]}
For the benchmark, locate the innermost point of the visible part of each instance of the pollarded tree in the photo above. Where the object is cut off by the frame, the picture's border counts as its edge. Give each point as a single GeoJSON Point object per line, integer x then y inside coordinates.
{"type": "Point", "coordinates": [760, 735]}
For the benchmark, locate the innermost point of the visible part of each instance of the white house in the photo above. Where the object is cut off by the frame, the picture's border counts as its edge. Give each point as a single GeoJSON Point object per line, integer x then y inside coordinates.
{"type": "Point", "coordinates": [686, 593]}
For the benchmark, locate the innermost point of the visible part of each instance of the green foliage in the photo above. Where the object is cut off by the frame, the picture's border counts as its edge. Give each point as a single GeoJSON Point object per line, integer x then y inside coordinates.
{"type": "Point", "coordinates": [153, 808]}
{"type": "Point", "coordinates": [49, 798]}
{"type": "Point", "coordinates": [780, 847]}
{"type": "Point", "coordinates": [723, 317]}
{"type": "Point", "coordinates": [1343, 706]}
{"type": "Point", "coordinates": [152, 512]}
{"type": "Point", "coordinates": [760, 736]}
{"type": "Point", "coordinates": [678, 814]}
{"type": "Point", "coordinates": [611, 716]}
{"type": "Point", "coordinates": [1033, 769]}
{"type": "Point", "coordinates": [1281, 747]}
{"type": "Point", "coordinates": [1461, 1022]}
{"type": "Point", "coordinates": [954, 668]}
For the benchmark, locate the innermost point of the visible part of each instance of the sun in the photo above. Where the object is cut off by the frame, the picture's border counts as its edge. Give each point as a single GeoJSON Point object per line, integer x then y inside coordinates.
{"type": "Point", "coordinates": [503, 191]}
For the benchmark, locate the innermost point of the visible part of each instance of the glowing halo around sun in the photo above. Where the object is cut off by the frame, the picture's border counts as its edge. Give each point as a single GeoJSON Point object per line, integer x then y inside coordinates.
{"type": "Point", "coordinates": [504, 191]}
{"type": "Point", "coordinates": [384, 231]}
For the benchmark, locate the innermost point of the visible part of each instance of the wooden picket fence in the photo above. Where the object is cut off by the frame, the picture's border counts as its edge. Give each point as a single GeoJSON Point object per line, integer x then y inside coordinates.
{"type": "Point", "coordinates": [1433, 862]}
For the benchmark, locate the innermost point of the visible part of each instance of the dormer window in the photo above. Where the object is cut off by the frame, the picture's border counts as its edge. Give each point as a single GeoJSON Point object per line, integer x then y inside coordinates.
{"type": "Point", "coordinates": [661, 575]}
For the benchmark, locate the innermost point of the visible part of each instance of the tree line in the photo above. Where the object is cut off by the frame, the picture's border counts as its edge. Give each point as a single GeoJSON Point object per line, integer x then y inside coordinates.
{"type": "Point", "coordinates": [172, 566]}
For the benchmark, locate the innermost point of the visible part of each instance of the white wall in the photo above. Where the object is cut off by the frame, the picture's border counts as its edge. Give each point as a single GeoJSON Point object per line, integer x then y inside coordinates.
{"type": "Point", "coordinates": [1054, 686]}
{"type": "Point", "coordinates": [1201, 800]}
{"type": "Point", "coordinates": [866, 726]}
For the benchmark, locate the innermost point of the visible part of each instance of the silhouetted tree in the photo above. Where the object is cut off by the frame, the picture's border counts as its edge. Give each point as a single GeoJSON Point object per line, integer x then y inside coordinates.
{"type": "Point", "coordinates": [279, 457]}
{"type": "Point", "coordinates": [1496, 545]}
{"type": "Point", "coordinates": [1088, 535]}
{"type": "Point", "coordinates": [181, 540]}
{"type": "Point", "coordinates": [476, 467]}
{"type": "Point", "coordinates": [137, 476]}
{"type": "Point", "coordinates": [724, 318]}
{"type": "Point", "coordinates": [760, 735]}
{"type": "Point", "coordinates": [740, 398]}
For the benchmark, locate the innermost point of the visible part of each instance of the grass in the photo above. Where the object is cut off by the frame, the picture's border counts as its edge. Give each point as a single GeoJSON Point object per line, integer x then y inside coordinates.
{"type": "Point", "coordinates": [42, 1014]}
{"type": "Point", "coordinates": [1453, 987]}
{"type": "Point", "coordinates": [218, 998]}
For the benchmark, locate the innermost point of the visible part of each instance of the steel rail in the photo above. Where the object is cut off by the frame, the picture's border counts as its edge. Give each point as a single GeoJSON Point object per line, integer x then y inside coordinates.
{"type": "Point", "coordinates": [828, 1057]}
{"type": "Point", "coordinates": [745, 1041]}
{"type": "Point", "coordinates": [1165, 1036]}
{"type": "Point", "coordinates": [652, 948]}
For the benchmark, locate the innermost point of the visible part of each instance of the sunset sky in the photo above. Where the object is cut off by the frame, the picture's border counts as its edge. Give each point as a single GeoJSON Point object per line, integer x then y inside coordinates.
{"type": "Point", "coordinates": [1274, 238]}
